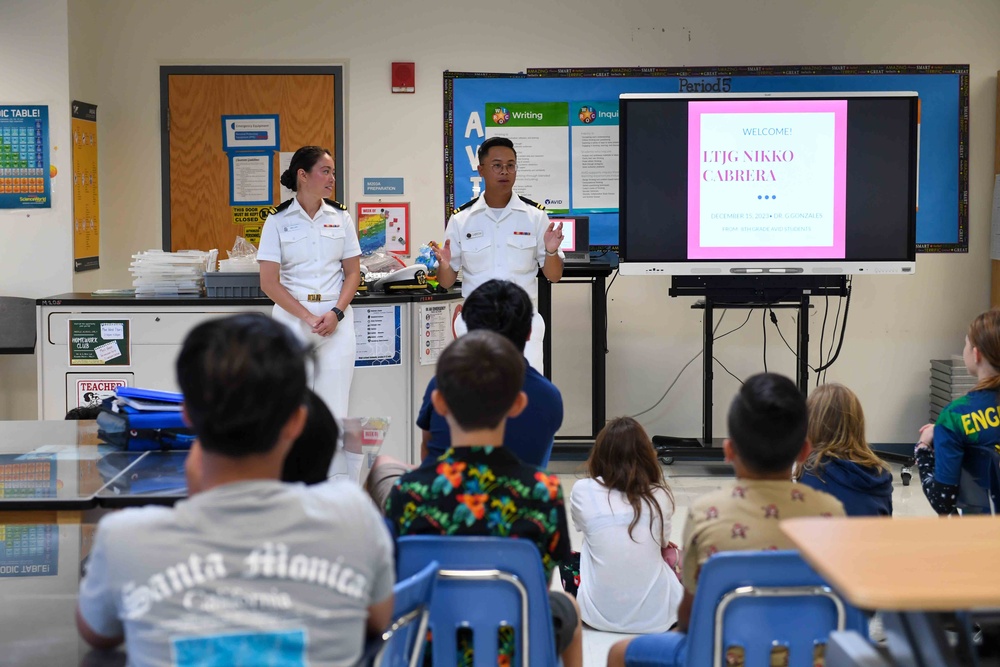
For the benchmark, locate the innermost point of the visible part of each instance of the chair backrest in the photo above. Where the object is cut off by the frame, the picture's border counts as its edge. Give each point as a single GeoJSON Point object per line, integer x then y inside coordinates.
{"type": "Point", "coordinates": [973, 497]}
{"type": "Point", "coordinates": [493, 588]}
{"type": "Point", "coordinates": [403, 641]}
{"type": "Point", "coordinates": [756, 601]}
{"type": "Point", "coordinates": [979, 482]}
{"type": "Point", "coordinates": [995, 478]}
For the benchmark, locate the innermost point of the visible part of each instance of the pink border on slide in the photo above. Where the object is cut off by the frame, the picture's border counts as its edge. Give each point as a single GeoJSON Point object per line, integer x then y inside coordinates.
{"type": "Point", "coordinates": [695, 112]}
{"type": "Point", "coordinates": [567, 246]}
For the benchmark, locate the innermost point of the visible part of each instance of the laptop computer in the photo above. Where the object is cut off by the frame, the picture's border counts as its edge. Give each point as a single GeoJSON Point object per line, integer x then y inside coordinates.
{"type": "Point", "coordinates": [576, 237]}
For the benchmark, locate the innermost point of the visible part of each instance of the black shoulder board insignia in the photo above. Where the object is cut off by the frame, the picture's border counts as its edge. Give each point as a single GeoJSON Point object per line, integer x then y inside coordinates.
{"type": "Point", "coordinates": [336, 204]}
{"type": "Point", "coordinates": [465, 205]}
{"type": "Point", "coordinates": [280, 207]}
{"type": "Point", "coordinates": [532, 203]}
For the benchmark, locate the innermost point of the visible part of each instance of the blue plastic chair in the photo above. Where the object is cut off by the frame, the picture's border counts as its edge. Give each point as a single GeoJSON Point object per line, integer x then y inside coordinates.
{"type": "Point", "coordinates": [979, 483]}
{"type": "Point", "coordinates": [759, 600]}
{"type": "Point", "coordinates": [485, 584]}
{"type": "Point", "coordinates": [402, 644]}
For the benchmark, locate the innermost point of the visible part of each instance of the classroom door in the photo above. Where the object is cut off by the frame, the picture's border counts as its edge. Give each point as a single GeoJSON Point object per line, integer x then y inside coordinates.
{"type": "Point", "coordinates": [200, 216]}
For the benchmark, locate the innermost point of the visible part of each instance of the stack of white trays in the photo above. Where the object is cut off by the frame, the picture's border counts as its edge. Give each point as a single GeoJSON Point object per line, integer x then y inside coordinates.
{"type": "Point", "coordinates": [157, 273]}
{"type": "Point", "coordinates": [950, 379]}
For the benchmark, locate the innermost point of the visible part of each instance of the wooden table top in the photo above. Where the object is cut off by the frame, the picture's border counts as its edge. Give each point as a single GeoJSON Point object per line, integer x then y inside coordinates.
{"type": "Point", "coordinates": [911, 564]}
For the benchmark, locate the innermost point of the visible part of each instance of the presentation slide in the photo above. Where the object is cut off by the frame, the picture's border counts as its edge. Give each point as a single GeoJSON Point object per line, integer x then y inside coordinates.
{"type": "Point", "coordinates": [767, 179]}
{"type": "Point", "coordinates": [568, 244]}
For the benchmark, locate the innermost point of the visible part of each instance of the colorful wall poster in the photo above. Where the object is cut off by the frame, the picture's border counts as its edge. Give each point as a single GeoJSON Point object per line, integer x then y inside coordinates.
{"type": "Point", "coordinates": [384, 226]}
{"type": "Point", "coordinates": [25, 178]}
{"type": "Point", "coordinates": [594, 155]}
{"type": "Point", "coordinates": [539, 132]}
{"type": "Point", "coordinates": [86, 201]}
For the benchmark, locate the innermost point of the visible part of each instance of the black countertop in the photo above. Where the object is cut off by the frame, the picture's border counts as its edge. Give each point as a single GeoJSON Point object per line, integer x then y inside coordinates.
{"type": "Point", "coordinates": [88, 299]}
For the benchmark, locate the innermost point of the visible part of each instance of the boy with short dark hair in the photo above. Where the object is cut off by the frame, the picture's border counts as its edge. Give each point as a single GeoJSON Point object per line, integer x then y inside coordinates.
{"type": "Point", "coordinates": [248, 569]}
{"type": "Point", "coordinates": [767, 437]}
{"type": "Point", "coordinates": [503, 307]}
{"type": "Point", "coordinates": [477, 487]}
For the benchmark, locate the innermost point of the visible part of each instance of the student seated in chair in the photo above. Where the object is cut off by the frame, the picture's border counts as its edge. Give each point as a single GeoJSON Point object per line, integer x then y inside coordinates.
{"type": "Point", "coordinates": [309, 459]}
{"type": "Point", "coordinates": [478, 487]}
{"type": "Point", "coordinates": [248, 570]}
{"type": "Point", "coordinates": [504, 307]}
{"type": "Point", "coordinates": [767, 436]}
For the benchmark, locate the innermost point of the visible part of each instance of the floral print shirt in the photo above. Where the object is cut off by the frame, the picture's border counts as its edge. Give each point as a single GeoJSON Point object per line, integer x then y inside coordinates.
{"type": "Point", "coordinates": [482, 491]}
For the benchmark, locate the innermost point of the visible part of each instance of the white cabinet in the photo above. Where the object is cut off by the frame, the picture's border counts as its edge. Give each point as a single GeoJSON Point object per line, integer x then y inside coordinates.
{"type": "Point", "coordinates": [154, 338]}
{"type": "Point", "coordinates": [158, 326]}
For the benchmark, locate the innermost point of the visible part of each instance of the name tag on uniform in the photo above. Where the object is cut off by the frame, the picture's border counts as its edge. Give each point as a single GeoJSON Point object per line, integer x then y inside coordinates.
{"type": "Point", "coordinates": [291, 228]}
{"type": "Point", "coordinates": [474, 235]}
{"type": "Point", "coordinates": [522, 233]}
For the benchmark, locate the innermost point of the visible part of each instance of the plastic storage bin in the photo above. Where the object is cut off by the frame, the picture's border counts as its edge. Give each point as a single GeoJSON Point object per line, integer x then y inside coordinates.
{"type": "Point", "coordinates": [233, 285]}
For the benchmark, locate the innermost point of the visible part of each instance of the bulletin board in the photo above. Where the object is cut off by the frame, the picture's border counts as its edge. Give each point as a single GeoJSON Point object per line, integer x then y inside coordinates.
{"type": "Point", "coordinates": [584, 101]}
{"type": "Point", "coordinates": [225, 132]}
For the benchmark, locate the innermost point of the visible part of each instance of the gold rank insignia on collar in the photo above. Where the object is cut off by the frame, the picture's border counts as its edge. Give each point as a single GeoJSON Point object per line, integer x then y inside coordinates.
{"type": "Point", "coordinates": [527, 201]}
{"type": "Point", "coordinates": [271, 210]}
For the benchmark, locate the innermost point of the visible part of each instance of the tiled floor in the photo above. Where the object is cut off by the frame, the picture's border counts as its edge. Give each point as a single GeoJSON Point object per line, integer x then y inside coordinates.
{"type": "Point", "coordinates": [688, 481]}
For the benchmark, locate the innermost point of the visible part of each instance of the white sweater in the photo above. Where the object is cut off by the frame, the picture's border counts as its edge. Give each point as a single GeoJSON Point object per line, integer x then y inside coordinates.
{"type": "Point", "coordinates": [624, 584]}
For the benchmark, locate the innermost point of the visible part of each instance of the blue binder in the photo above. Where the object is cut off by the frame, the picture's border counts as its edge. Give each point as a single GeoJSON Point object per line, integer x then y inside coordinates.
{"type": "Point", "coordinates": [143, 429]}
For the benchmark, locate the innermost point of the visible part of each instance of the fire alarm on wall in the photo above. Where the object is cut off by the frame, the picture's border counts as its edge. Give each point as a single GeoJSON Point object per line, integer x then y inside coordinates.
{"type": "Point", "coordinates": [403, 78]}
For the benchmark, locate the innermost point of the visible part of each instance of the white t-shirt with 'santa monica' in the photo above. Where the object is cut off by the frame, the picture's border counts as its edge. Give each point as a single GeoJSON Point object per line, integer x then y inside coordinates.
{"type": "Point", "coordinates": [255, 572]}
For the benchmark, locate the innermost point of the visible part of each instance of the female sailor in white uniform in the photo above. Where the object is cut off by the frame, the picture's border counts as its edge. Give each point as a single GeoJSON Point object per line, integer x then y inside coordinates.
{"type": "Point", "coordinates": [310, 267]}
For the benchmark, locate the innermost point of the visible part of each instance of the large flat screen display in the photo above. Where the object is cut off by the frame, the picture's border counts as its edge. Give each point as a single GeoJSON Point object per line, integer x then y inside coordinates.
{"type": "Point", "coordinates": [764, 183]}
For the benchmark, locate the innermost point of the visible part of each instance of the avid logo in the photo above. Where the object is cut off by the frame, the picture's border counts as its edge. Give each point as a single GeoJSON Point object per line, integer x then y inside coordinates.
{"type": "Point", "coordinates": [550, 202]}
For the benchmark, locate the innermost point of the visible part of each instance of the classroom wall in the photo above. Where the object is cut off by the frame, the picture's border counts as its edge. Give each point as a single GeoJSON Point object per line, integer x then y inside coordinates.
{"type": "Point", "coordinates": [36, 247]}
{"type": "Point", "coordinates": [896, 324]}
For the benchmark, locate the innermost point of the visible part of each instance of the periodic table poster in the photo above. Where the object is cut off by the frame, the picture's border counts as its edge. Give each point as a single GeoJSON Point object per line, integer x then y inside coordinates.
{"type": "Point", "coordinates": [23, 476]}
{"type": "Point", "coordinates": [29, 550]}
{"type": "Point", "coordinates": [25, 181]}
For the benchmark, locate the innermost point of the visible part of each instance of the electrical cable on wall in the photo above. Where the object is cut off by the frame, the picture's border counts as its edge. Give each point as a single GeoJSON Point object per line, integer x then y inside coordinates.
{"type": "Point", "coordinates": [606, 316]}
{"type": "Point", "coordinates": [843, 330]}
{"type": "Point", "coordinates": [822, 331]}
{"type": "Point", "coordinates": [716, 360]}
{"type": "Point", "coordinates": [692, 360]}
{"type": "Point", "coordinates": [774, 321]}
{"type": "Point", "coordinates": [763, 327]}
{"type": "Point", "coordinates": [836, 320]}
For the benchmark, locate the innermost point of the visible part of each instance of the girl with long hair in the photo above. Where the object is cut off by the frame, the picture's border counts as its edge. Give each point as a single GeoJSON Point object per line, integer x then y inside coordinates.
{"type": "Point", "coordinates": [841, 462]}
{"type": "Point", "coordinates": [957, 455]}
{"type": "Point", "coordinates": [623, 508]}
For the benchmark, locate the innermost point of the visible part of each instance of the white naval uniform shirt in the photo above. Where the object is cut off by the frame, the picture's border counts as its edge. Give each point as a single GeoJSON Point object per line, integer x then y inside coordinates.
{"type": "Point", "coordinates": [510, 246]}
{"type": "Point", "coordinates": [309, 250]}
